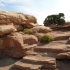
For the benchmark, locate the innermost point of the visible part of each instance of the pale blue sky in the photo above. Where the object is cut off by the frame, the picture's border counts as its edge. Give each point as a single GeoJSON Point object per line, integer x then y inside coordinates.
{"type": "Point", "coordinates": [39, 8]}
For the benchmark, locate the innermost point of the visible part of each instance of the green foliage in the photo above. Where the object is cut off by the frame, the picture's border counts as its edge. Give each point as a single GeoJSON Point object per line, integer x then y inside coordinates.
{"type": "Point", "coordinates": [55, 19]}
{"type": "Point", "coordinates": [46, 39]}
{"type": "Point", "coordinates": [28, 31]}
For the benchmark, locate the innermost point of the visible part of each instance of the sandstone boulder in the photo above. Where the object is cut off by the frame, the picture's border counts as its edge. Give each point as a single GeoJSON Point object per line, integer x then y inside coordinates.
{"type": "Point", "coordinates": [17, 19]}
{"type": "Point", "coordinates": [68, 55]}
{"type": "Point", "coordinates": [14, 44]}
{"type": "Point", "coordinates": [38, 35]}
{"type": "Point", "coordinates": [62, 56]}
{"type": "Point", "coordinates": [29, 25]}
{"type": "Point", "coordinates": [30, 18]}
{"type": "Point", "coordinates": [15, 40]}
{"type": "Point", "coordinates": [30, 39]}
{"type": "Point", "coordinates": [68, 41]}
{"type": "Point", "coordinates": [65, 55]}
{"type": "Point", "coordinates": [18, 27]}
{"type": "Point", "coordinates": [41, 29]}
{"type": "Point", "coordinates": [5, 29]}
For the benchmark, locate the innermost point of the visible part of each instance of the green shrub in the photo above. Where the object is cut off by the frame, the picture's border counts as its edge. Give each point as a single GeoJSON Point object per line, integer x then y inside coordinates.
{"type": "Point", "coordinates": [28, 31]}
{"type": "Point", "coordinates": [46, 39]}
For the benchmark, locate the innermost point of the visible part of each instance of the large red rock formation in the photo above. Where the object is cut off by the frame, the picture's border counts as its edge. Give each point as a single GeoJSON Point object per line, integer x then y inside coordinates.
{"type": "Point", "coordinates": [17, 19]}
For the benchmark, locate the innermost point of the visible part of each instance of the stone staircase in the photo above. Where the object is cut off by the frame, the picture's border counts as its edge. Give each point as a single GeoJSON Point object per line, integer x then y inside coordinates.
{"type": "Point", "coordinates": [36, 62]}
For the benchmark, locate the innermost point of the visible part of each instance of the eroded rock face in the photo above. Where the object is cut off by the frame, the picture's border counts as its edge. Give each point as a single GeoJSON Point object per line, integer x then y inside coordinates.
{"type": "Point", "coordinates": [18, 27]}
{"type": "Point", "coordinates": [38, 35]}
{"type": "Point", "coordinates": [41, 29]}
{"type": "Point", "coordinates": [37, 62]}
{"type": "Point", "coordinates": [16, 44]}
{"type": "Point", "coordinates": [65, 55]}
{"type": "Point", "coordinates": [68, 41]}
{"type": "Point", "coordinates": [13, 40]}
{"type": "Point", "coordinates": [5, 29]}
{"type": "Point", "coordinates": [30, 39]}
{"type": "Point", "coordinates": [17, 19]}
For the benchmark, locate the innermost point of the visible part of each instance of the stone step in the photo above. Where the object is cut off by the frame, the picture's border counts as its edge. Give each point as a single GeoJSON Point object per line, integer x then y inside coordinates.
{"type": "Point", "coordinates": [49, 69]}
{"type": "Point", "coordinates": [31, 52]}
{"type": "Point", "coordinates": [65, 55]}
{"type": "Point", "coordinates": [27, 47]}
{"type": "Point", "coordinates": [68, 48]}
{"type": "Point", "coordinates": [51, 47]}
{"type": "Point", "coordinates": [39, 59]}
{"type": "Point", "coordinates": [61, 37]}
{"type": "Point", "coordinates": [26, 66]}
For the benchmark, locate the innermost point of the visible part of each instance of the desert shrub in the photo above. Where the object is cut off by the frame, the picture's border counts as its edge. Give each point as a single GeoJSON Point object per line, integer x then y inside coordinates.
{"type": "Point", "coordinates": [28, 31]}
{"type": "Point", "coordinates": [46, 39]}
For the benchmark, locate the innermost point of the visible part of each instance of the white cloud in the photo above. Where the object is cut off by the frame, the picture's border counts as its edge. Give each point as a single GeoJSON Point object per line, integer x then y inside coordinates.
{"type": "Point", "coordinates": [16, 1]}
{"type": "Point", "coordinates": [1, 4]}
{"type": "Point", "coordinates": [8, 1]}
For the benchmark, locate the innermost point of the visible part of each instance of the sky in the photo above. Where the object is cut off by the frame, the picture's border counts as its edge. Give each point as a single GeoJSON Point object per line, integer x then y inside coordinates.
{"type": "Point", "coordinates": [38, 8]}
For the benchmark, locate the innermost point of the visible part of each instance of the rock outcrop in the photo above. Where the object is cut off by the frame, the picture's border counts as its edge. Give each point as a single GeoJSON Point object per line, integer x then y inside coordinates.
{"type": "Point", "coordinates": [13, 42]}
{"type": "Point", "coordinates": [17, 44]}
{"type": "Point", "coordinates": [7, 18]}
{"type": "Point", "coordinates": [30, 39]}
{"type": "Point", "coordinates": [5, 29]}
{"type": "Point", "coordinates": [37, 62]}
{"type": "Point", "coordinates": [41, 29]}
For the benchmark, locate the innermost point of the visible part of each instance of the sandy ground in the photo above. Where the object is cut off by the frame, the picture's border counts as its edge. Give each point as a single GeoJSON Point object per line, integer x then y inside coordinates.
{"type": "Point", "coordinates": [6, 63]}
{"type": "Point", "coordinates": [63, 64]}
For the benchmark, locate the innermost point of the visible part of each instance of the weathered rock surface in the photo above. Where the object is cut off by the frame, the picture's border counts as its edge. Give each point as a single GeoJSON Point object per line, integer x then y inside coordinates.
{"type": "Point", "coordinates": [5, 29]}
{"type": "Point", "coordinates": [19, 27]}
{"type": "Point", "coordinates": [13, 40]}
{"type": "Point", "coordinates": [68, 41]}
{"type": "Point", "coordinates": [30, 39]}
{"type": "Point", "coordinates": [41, 29]}
{"type": "Point", "coordinates": [59, 35]}
{"type": "Point", "coordinates": [62, 56]}
{"type": "Point", "coordinates": [36, 62]}
{"type": "Point", "coordinates": [14, 45]}
{"type": "Point", "coordinates": [63, 27]}
{"type": "Point", "coordinates": [65, 55]}
{"type": "Point", "coordinates": [17, 19]}
{"type": "Point", "coordinates": [38, 35]}
{"type": "Point", "coordinates": [52, 47]}
{"type": "Point", "coordinates": [26, 66]}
